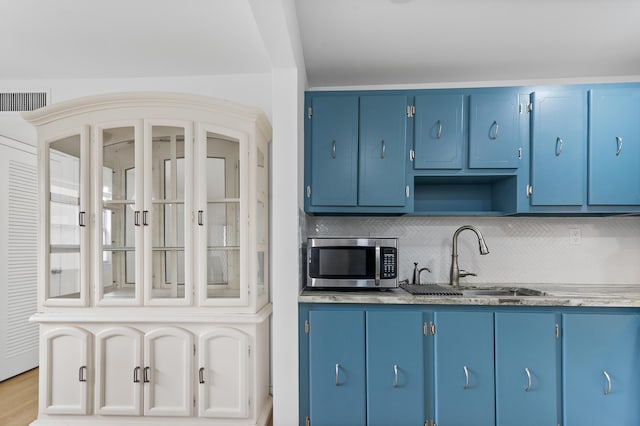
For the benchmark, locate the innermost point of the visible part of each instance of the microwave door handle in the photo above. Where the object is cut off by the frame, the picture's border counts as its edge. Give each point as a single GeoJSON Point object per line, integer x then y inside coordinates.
{"type": "Point", "coordinates": [377, 263]}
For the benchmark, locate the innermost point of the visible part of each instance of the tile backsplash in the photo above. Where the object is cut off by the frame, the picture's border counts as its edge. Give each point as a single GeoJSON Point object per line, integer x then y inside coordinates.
{"type": "Point", "coordinates": [592, 250]}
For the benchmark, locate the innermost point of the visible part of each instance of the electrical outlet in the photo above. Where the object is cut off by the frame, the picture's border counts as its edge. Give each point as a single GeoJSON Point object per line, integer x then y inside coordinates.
{"type": "Point", "coordinates": [575, 236]}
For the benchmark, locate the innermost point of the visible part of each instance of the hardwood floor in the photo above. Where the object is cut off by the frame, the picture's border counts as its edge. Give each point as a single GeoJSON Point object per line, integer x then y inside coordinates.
{"type": "Point", "coordinates": [19, 399]}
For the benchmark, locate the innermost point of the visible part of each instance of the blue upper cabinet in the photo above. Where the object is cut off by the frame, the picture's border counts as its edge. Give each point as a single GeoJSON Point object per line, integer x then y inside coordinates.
{"type": "Point", "coordinates": [464, 376]}
{"type": "Point", "coordinates": [356, 154]}
{"type": "Point", "coordinates": [333, 170]}
{"type": "Point", "coordinates": [527, 363]}
{"type": "Point", "coordinates": [395, 368]}
{"type": "Point", "coordinates": [558, 148]}
{"type": "Point", "coordinates": [383, 149]}
{"type": "Point", "coordinates": [494, 136]}
{"type": "Point", "coordinates": [614, 147]}
{"type": "Point", "coordinates": [337, 386]}
{"type": "Point", "coordinates": [601, 369]}
{"type": "Point", "coordinates": [439, 131]}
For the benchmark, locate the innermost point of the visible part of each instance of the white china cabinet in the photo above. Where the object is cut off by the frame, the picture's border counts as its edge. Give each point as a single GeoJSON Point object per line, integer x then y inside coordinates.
{"type": "Point", "coordinates": [153, 298]}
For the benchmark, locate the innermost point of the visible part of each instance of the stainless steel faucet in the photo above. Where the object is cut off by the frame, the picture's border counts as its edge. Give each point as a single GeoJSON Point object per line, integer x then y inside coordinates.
{"type": "Point", "coordinates": [456, 272]}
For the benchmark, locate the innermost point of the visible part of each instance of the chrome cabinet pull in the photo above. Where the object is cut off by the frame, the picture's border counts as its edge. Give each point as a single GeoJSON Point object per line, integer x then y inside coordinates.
{"type": "Point", "coordinates": [608, 391]}
{"type": "Point", "coordinates": [201, 375]}
{"type": "Point", "coordinates": [200, 217]}
{"type": "Point", "coordinates": [619, 145]}
{"type": "Point", "coordinates": [395, 375]}
{"type": "Point", "coordinates": [439, 133]}
{"type": "Point", "coordinates": [145, 217]}
{"type": "Point", "coordinates": [495, 126]}
{"type": "Point", "coordinates": [136, 218]}
{"type": "Point", "coordinates": [559, 144]}
{"type": "Point", "coordinates": [145, 375]}
{"type": "Point", "coordinates": [136, 375]}
{"type": "Point", "coordinates": [81, 218]}
{"type": "Point", "coordinates": [383, 149]}
{"type": "Point", "coordinates": [528, 388]}
{"type": "Point", "coordinates": [333, 149]}
{"type": "Point", "coordinates": [466, 377]}
{"type": "Point", "coordinates": [337, 374]}
{"type": "Point", "coordinates": [82, 374]}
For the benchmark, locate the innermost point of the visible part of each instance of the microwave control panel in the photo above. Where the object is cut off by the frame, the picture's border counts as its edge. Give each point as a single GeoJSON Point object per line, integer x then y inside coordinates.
{"type": "Point", "coordinates": [389, 262]}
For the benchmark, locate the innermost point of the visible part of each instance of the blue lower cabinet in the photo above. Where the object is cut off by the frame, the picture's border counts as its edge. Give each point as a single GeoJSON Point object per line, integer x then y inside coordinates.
{"type": "Point", "coordinates": [395, 368]}
{"type": "Point", "coordinates": [601, 369]}
{"type": "Point", "coordinates": [464, 372]}
{"type": "Point", "coordinates": [527, 363]}
{"type": "Point", "coordinates": [337, 386]}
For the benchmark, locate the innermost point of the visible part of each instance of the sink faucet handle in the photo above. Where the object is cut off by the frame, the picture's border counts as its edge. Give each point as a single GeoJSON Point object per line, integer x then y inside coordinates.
{"type": "Point", "coordinates": [464, 273]}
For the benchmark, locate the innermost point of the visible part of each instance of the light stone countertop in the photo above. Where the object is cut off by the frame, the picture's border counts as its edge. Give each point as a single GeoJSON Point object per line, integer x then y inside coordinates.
{"type": "Point", "coordinates": [589, 295]}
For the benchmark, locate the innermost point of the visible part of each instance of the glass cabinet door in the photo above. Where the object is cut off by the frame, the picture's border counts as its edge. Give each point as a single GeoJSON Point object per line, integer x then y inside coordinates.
{"type": "Point", "coordinates": [68, 219]}
{"type": "Point", "coordinates": [219, 221]}
{"type": "Point", "coordinates": [119, 218]}
{"type": "Point", "coordinates": [262, 223]}
{"type": "Point", "coordinates": [167, 219]}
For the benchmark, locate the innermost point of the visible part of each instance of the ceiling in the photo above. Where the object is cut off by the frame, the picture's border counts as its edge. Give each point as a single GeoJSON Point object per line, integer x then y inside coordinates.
{"type": "Point", "coordinates": [345, 42]}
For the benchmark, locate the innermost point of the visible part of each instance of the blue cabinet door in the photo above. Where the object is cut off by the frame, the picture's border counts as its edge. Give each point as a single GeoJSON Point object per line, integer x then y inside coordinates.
{"type": "Point", "coordinates": [614, 147]}
{"type": "Point", "coordinates": [494, 137]}
{"type": "Point", "coordinates": [383, 151]}
{"type": "Point", "coordinates": [601, 365]}
{"type": "Point", "coordinates": [334, 151]}
{"type": "Point", "coordinates": [558, 141]}
{"type": "Point", "coordinates": [527, 369]}
{"type": "Point", "coordinates": [337, 386]}
{"type": "Point", "coordinates": [439, 131]}
{"type": "Point", "coordinates": [395, 368]}
{"type": "Point", "coordinates": [464, 368]}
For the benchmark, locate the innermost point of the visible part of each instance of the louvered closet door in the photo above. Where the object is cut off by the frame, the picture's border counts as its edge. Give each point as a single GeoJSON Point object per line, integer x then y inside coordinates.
{"type": "Point", "coordinates": [18, 234]}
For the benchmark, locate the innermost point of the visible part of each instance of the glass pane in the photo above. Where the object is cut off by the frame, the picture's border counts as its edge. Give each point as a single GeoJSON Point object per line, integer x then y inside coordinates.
{"type": "Point", "coordinates": [223, 217]}
{"type": "Point", "coordinates": [118, 204]}
{"type": "Point", "coordinates": [261, 175]}
{"type": "Point", "coordinates": [64, 212]}
{"type": "Point", "coordinates": [261, 223]}
{"type": "Point", "coordinates": [260, 272]}
{"type": "Point", "coordinates": [168, 215]}
{"type": "Point", "coordinates": [223, 277]}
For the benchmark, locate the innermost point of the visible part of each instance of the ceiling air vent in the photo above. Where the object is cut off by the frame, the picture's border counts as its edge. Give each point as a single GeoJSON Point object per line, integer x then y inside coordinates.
{"type": "Point", "coordinates": [22, 101]}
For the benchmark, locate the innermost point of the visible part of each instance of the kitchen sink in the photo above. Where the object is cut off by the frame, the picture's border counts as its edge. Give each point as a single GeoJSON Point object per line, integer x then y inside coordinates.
{"type": "Point", "coordinates": [501, 291]}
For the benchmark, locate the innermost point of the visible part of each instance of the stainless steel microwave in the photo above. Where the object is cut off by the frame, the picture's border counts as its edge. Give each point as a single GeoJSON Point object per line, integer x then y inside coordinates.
{"type": "Point", "coordinates": [352, 262]}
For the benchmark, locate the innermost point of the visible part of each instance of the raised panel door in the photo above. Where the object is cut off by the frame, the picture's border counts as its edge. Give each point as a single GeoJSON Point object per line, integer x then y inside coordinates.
{"type": "Point", "coordinates": [614, 147]}
{"type": "Point", "coordinates": [464, 368]}
{"type": "Point", "coordinates": [395, 368]}
{"type": "Point", "coordinates": [118, 388]}
{"type": "Point", "coordinates": [337, 383]}
{"type": "Point", "coordinates": [65, 371]}
{"type": "Point", "coordinates": [494, 137]}
{"type": "Point", "coordinates": [527, 361]}
{"type": "Point", "coordinates": [439, 131]}
{"type": "Point", "coordinates": [167, 372]}
{"type": "Point", "coordinates": [223, 374]}
{"type": "Point", "coordinates": [601, 369]}
{"type": "Point", "coordinates": [334, 151]}
{"type": "Point", "coordinates": [383, 149]}
{"type": "Point", "coordinates": [558, 144]}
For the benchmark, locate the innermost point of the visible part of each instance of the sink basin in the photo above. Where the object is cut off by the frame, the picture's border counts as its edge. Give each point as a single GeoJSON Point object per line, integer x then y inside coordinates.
{"type": "Point", "coordinates": [501, 291]}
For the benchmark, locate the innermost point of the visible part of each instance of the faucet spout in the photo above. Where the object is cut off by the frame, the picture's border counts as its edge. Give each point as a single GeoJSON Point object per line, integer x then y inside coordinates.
{"type": "Point", "coordinates": [456, 273]}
